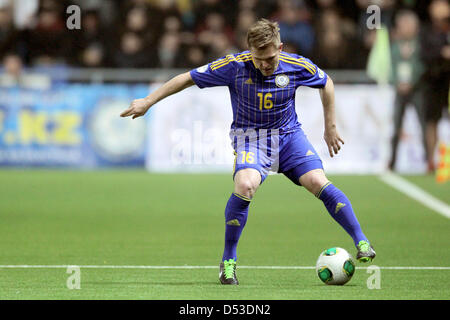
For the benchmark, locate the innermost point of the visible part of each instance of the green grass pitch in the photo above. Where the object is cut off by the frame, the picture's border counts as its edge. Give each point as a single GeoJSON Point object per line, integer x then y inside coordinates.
{"type": "Point", "coordinates": [134, 218]}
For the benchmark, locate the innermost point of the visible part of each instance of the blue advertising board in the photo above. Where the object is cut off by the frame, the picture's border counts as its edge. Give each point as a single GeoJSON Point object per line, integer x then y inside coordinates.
{"type": "Point", "coordinates": [75, 125]}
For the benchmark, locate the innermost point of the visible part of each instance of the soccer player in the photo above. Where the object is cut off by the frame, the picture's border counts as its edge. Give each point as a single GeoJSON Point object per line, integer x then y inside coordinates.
{"type": "Point", "coordinates": [262, 84]}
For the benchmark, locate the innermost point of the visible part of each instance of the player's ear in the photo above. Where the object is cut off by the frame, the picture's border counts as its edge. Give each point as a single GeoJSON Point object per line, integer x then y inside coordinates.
{"type": "Point", "coordinates": [280, 47]}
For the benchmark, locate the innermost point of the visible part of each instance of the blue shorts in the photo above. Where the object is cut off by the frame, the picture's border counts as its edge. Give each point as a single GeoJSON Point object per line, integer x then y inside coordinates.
{"type": "Point", "coordinates": [288, 153]}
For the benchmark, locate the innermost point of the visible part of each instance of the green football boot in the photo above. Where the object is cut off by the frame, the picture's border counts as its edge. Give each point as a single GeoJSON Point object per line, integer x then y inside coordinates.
{"type": "Point", "coordinates": [227, 274]}
{"type": "Point", "coordinates": [365, 252]}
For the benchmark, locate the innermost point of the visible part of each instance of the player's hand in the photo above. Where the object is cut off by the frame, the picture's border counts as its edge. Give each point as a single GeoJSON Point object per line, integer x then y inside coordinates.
{"type": "Point", "coordinates": [333, 141]}
{"type": "Point", "coordinates": [137, 108]}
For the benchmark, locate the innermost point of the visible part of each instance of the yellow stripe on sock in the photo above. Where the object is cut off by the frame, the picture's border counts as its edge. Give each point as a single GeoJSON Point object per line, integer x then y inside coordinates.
{"type": "Point", "coordinates": [241, 197]}
{"type": "Point", "coordinates": [318, 194]}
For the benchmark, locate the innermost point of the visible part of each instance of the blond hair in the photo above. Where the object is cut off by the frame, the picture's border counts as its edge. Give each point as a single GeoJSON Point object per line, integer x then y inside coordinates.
{"type": "Point", "coordinates": [262, 34]}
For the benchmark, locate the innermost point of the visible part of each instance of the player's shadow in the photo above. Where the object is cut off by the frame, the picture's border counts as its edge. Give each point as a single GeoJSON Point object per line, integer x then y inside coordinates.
{"type": "Point", "coordinates": [336, 286]}
{"type": "Point", "coordinates": [151, 283]}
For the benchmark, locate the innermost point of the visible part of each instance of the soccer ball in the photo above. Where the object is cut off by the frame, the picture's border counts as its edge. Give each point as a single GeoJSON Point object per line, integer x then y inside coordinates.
{"type": "Point", "coordinates": [335, 266]}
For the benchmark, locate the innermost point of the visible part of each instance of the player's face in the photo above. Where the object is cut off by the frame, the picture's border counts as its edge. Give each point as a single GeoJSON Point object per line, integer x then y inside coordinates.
{"type": "Point", "coordinates": [266, 59]}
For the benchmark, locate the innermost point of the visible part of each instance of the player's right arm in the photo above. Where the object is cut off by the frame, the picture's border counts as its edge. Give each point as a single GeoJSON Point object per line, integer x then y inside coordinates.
{"type": "Point", "coordinates": [217, 73]}
{"type": "Point", "coordinates": [139, 107]}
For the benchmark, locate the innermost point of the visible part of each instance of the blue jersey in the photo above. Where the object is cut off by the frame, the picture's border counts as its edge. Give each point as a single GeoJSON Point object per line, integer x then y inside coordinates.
{"type": "Point", "coordinates": [258, 101]}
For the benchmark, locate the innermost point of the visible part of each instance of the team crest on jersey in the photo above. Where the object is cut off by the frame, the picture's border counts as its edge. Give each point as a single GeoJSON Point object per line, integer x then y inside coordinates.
{"type": "Point", "coordinates": [281, 80]}
{"type": "Point", "coordinates": [202, 68]}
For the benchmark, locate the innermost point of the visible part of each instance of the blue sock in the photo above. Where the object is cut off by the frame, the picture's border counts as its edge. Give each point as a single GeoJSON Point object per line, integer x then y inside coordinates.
{"type": "Point", "coordinates": [236, 213]}
{"type": "Point", "coordinates": [341, 210]}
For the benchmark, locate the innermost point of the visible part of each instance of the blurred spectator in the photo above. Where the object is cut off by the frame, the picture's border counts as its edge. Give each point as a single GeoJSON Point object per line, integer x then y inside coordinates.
{"type": "Point", "coordinates": [106, 10]}
{"type": "Point", "coordinates": [347, 9]}
{"type": "Point", "coordinates": [213, 25]}
{"type": "Point", "coordinates": [326, 4]}
{"type": "Point", "coordinates": [420, 7]}
{"type": "Point", "coordinates": [91, 27]}
{"type": "Point", "coordinates": [88, 43]}
{"type": "Point", "coordinates": [193, 57]}
{"type": "Point", "coordinates": [185, 10]}
{"type": "Point", "coordinates": [261, 8]}
{"type": "Point", "coordinates": [126, 6]}
{"type": "Point", "coordinates": [173, 24]}
{"type": "Point", "coordinates": [436, 57]}
{"type": "Point", "coordinates": [148, 16]}
{"type": "Point", "coordinates": [132, 53]}
{"type": "Point", "coordinates": [328, 31]}
{"type": "Point", "coordinates": [169, 53]}
{"type": "Point", "coordinates": [22, 11]}
{"type": "Point", "coordinates": [93, 56]}
{"type": "Point", "coordinates": [203, 8]}
{"type": "Point", "coordinates": [332, 51]}
{"type": "Point", "coordinates": [221, 46]}
{"type": "Point", "coordinates": [336, 41]}
{"type": "Point", "coordinates": [8, 34]}
{"type": "Point", "coordinates": [293, 17]}
{"type": "Point", "coordinates": [160, 11]}
{"type": "Point", "coordinates": [251, 5]}
{"type": "Point", "coordinates": [407, 70]}
{"type": "Point", "coordinates": [137, 22]}
{"type": "Point", "coordinates": [13, 70]}
{"type": "Point", "coordinates": [14, 75]}
{"type": "Point", "coordinates": [48, 41]}
{"type": "Point", "coordinates": [245, 19]}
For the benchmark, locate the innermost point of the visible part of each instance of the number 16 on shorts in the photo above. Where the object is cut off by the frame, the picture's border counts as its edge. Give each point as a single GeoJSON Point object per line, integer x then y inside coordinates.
{"type": "Point", "coordinates": [247, 157]}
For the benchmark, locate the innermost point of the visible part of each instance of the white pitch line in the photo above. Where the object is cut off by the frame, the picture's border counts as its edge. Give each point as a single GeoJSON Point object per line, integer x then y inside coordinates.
{"type": "Point", "coordinates": [23, 266]}
{"type": "Point", "coordinates": [416, 193]}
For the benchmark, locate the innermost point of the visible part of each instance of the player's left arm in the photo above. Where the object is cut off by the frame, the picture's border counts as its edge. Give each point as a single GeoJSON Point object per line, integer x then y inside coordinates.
{"type": "Point", "coordinates": [331, 135]}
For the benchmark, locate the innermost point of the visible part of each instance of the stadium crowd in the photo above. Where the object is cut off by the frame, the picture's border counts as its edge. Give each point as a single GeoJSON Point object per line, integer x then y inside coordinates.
{"type": "Point", "coordinates": [190, 33]}
{"type": "Point", "coordinates": [187, 33]}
